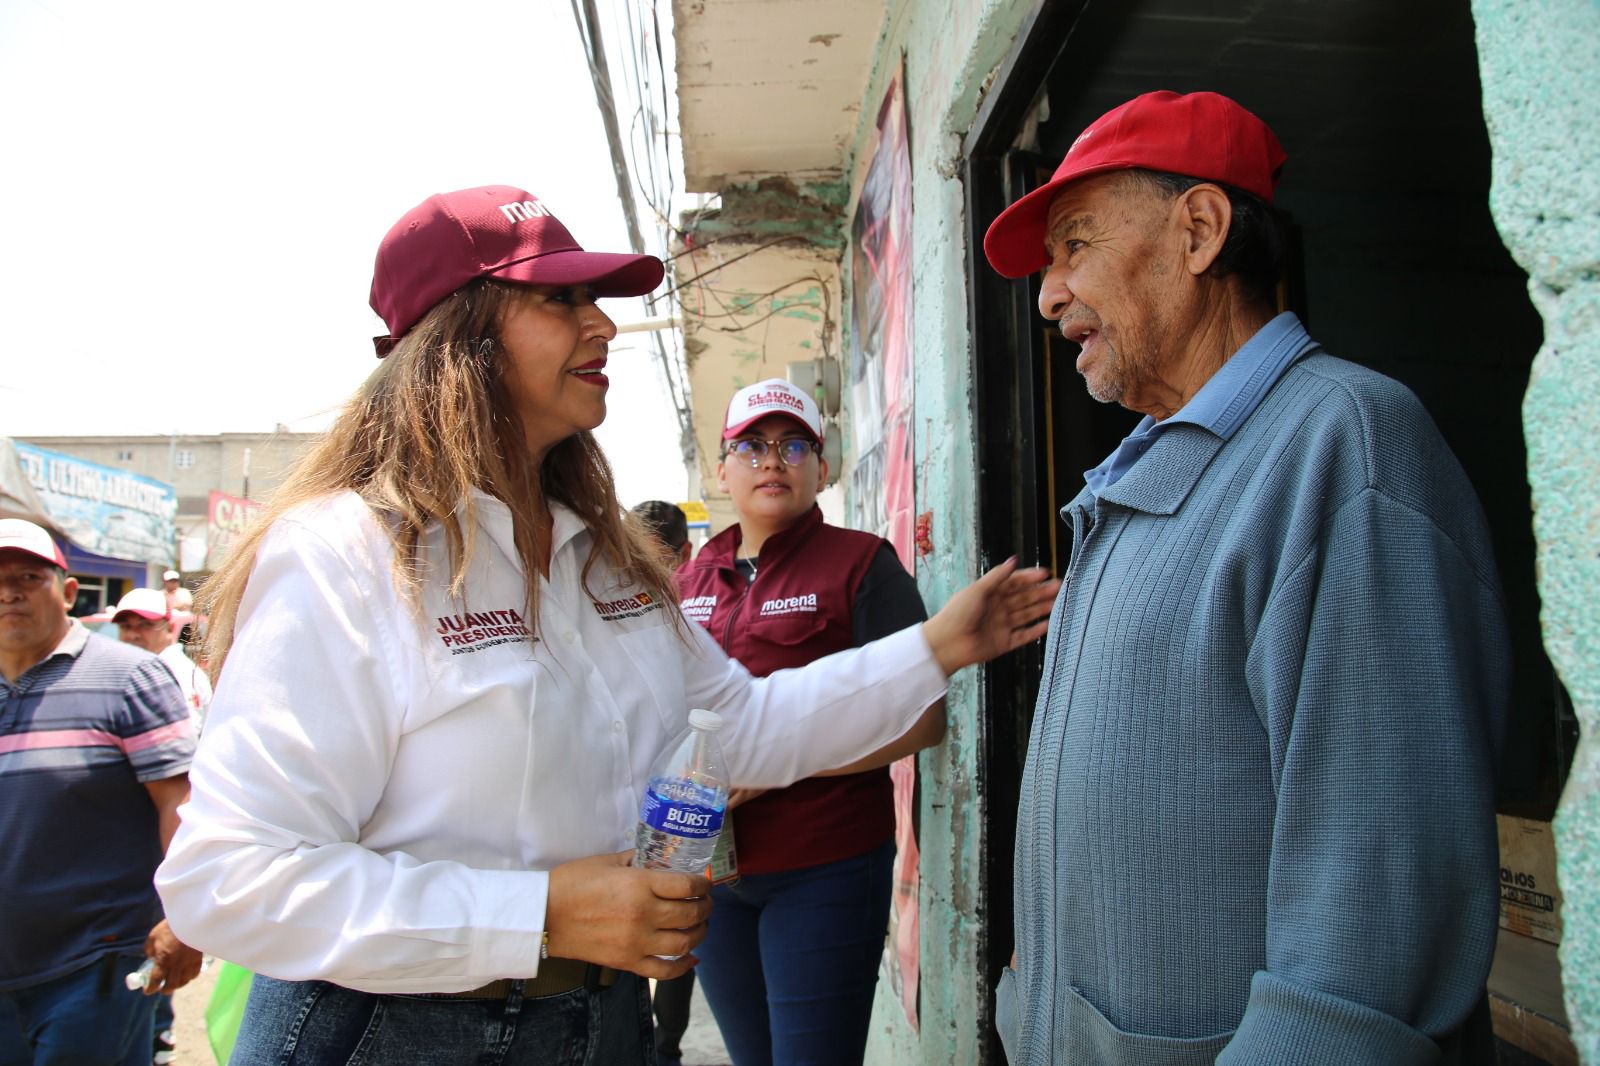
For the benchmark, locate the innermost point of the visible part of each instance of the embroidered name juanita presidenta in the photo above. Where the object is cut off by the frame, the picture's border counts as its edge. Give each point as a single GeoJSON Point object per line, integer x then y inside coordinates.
{"type": "Point", "coordinates": [476, 630]}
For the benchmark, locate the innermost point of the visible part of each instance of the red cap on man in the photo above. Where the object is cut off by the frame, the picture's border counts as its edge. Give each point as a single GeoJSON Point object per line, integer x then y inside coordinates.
{"type": "Point", "coordinates": [1199, 135]}
{"type": "Point", "coordinates": [22, 535]}
{"type": "Point", "coordinates": [494, 231]}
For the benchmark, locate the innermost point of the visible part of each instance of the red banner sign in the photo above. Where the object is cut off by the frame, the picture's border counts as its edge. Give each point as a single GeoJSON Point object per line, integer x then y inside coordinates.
{"type": "Point", "coordinates": [226, 518]}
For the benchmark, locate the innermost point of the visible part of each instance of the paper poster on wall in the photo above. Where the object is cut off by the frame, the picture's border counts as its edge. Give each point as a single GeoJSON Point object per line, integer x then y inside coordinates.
{"type": "Point", "coordinates": [881, 486]}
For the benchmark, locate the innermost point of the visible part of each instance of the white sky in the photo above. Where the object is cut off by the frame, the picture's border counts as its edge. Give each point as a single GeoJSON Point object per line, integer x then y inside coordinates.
{"type": "Point", "coordinates": [196, 190]}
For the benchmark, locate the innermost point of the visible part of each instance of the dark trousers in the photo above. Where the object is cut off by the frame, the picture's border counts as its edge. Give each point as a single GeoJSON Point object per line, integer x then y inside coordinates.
{"type": "Point", "coordinates": [86, 1018]}
{"type": "Point", "coordinates": [671, 1006]}
{"type": "Point", "coordinates": [790, 964]}
{"type": "Point", "coordinates": [312, 1023]}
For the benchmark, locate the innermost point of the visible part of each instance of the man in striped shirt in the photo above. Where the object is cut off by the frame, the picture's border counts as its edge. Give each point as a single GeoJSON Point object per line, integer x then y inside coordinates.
{"type": "Point", "coordinates": [95, 744]}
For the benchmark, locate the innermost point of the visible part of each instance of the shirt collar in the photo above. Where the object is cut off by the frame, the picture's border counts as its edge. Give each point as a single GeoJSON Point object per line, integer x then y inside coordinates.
{"type": "Point", "coordinates": [71, 645]}
{"type": "Point", "coordinates": [73, 642]}
{"type": "Point", "coordinates": [1221, 405]}
{"type": "Point", "coordinates": [494, 517]}
{"type": "Point", "coordinates": [1237, 389]}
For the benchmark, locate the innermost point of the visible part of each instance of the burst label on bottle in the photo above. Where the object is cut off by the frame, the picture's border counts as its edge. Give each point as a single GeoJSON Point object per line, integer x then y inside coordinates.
{"type": "Point", "coordinates": [678, 817]}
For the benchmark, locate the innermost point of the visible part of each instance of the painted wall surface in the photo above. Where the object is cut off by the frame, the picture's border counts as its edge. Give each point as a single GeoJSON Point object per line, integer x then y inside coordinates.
{"type": "Point", "coordinates": [759, 286]}
{"type": "Point", "coordinates": [950, 49]}
{"type": "Point", "coordinates": [1541, 81]}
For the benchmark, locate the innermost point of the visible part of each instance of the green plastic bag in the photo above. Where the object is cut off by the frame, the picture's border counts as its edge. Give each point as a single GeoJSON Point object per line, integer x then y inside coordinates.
{"type": "Point", "coordinates": [226, 1009]}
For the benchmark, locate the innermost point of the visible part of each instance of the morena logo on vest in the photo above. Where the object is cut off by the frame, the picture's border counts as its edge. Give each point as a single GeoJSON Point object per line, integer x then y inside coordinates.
{"type": "Point", "coordinates": [806, 604]}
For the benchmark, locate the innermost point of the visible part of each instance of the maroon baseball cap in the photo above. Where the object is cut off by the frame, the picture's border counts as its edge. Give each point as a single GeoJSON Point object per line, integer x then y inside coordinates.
{"type": "Point", "coordinates": [1201, 135]}
{"type": "Point", "coordinates": [493, 231]}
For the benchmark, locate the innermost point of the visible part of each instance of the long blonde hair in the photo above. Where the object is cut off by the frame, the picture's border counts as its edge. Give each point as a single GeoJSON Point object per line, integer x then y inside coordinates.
{"type": "Point", "coordinates": [429, 425]}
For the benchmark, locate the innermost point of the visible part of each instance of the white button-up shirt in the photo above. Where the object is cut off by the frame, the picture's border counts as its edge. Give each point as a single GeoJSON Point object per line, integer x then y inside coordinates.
{"type": "Point", "coordinates": [380, 792]}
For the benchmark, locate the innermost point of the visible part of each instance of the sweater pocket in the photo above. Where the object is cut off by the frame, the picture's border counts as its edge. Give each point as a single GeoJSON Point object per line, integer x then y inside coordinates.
{"type": "Point", "coordinates": [1085, 1036]}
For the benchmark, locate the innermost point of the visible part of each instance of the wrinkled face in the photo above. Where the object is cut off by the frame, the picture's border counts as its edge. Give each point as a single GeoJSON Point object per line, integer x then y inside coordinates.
{"type": "Point", "coordinates": [1108, 283]}
{"type": "Point", "coordinates": [554, 365]}
{"type": "Point", "coordinates": [772, 493]}
{"type": "Point", "coordinates": [151, 634]}
{"type": "Point", "coordinates": [34, 600]}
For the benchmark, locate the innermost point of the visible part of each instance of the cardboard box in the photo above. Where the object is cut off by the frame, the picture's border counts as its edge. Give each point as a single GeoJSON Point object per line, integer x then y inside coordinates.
{"type": "Point", "coordinates": [1530, 900]}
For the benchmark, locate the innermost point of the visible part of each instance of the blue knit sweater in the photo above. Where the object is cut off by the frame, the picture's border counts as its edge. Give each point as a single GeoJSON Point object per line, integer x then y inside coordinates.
{"type": "Point", "coordinates": [1257, 819]}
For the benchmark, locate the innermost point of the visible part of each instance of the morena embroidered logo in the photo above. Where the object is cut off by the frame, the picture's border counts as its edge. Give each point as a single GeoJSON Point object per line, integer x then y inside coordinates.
{"type": "Point", "coordinates": [474, 631]}
{"type": "Point", "coordinates": [806, 604]}
{"type": "Point", "coordinates": [632, 607]}
{"type": "Point", "coordinates": [522, 210]}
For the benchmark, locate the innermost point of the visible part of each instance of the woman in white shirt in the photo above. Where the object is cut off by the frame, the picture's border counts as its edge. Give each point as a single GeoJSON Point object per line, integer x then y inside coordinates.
{"type": "Point", "coordinates": [447, 661]}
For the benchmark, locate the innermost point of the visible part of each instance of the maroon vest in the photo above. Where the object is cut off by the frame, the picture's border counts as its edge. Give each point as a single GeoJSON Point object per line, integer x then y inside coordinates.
{"type": "Point", "coordinates": [798, 609]}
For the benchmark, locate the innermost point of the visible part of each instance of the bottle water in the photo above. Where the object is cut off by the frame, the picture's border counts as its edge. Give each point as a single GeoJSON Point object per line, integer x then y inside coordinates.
{"type": "Point", "coordinates": [685, 800]}
{"type": "Point", "coordinates": [140, 978]}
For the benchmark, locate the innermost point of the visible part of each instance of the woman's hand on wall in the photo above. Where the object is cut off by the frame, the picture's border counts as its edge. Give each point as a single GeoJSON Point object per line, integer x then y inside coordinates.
{"type": "Point", "coordinates": [1002, 610]}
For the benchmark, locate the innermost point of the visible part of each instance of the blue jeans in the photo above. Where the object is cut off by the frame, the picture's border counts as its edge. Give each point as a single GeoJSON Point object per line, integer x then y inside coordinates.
{"type": "Point", "coordinates": [314, 1023]}
{"type": "Point", "coordinates": [790, 964]}
{"type": "Point", "coordinates": [86, 1018]}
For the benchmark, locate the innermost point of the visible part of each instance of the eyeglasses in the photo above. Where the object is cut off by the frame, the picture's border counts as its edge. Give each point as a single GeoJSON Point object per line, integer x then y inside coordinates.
{"type": "Point", "coordinates": [753, 450]}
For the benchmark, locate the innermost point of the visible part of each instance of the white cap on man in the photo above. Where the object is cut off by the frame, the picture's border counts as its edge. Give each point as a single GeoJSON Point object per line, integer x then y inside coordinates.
{"type": "Point", "coordinates": [171, 575]}
{"type": "Point", "coordinates": [146, 603]}
{"type": "Point", "coordinates": [26, 536]}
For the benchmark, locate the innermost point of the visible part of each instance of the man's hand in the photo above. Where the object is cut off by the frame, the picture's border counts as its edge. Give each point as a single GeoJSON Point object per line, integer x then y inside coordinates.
{"type": "Point", "coordinates": [602, 910]}
{"type": "Point", "coordinates": [1004, 609]}
{"type": "Point", "coordinates": [176, 963]}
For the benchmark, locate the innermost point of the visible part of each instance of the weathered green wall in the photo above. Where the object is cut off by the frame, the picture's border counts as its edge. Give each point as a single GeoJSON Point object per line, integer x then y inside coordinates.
{"type": "Point", "coordinates": [950, 49]}
{"type": "Point", "coordinates": [1541, 83]}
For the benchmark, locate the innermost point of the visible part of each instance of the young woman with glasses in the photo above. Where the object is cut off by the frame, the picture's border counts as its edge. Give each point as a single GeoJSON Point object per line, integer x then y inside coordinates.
{"type": "Point", "coordinates": [790, 963]}
{"type": "Point", "coordinates": [447, 660]}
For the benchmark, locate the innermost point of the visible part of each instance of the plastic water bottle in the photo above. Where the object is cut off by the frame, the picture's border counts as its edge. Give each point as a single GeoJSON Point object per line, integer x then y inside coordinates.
{"type": "Point", "coordinates": [684, 803]}
{"type": "Point", "coordinates": [140, 978]}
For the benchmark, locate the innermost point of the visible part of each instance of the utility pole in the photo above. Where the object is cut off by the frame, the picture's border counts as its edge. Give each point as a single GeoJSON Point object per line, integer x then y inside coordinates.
{"type": "Point", "coordinates": [600, 73]}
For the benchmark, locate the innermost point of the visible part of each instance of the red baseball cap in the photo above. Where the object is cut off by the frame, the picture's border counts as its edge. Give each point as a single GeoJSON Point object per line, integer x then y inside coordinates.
{"type": "Point", "coordinates": [1201, 135]}
{"type": "Point", "coordinates": [493, 231]}
{"type": "Point", "coordinates": [26, 536]}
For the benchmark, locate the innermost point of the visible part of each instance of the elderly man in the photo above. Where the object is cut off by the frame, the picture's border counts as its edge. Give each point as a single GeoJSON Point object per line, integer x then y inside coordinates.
{"type": "Point", "coordinates": [1257, 818]}
{"type": "Point", "coordinates": [95, 744]}
{"type": "Point", "coordinates": [144, 620]}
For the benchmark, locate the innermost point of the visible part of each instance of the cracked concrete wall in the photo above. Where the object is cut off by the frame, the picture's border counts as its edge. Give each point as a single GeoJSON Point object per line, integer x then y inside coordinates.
{"type": "Point", "coordinates": [951, 49]}
{"type": "Point", "coordinates": [1541, 80]}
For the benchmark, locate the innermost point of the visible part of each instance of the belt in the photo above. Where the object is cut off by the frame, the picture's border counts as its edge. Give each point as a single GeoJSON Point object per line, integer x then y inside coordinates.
{"type": "Point", "coordinates": [556, 977]}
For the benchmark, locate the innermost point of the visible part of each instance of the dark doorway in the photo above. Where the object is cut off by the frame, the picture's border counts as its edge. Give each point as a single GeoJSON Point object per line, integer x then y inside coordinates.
{"type": "Point", "coordinates": [1398, 266]}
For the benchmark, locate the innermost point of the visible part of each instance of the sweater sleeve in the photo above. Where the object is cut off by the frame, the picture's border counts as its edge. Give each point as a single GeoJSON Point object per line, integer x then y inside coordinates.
{"type": "Point", "coordinates": [1381, 670]}
{"type": "Point", "coordinates": [267, 868]}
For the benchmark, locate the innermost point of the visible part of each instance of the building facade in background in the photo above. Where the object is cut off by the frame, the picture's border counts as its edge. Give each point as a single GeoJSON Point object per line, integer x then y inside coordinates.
{"type": "Point", "coordinates": [204, 488]}
{"type": "Point", "coordinates": [1442, 194]}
